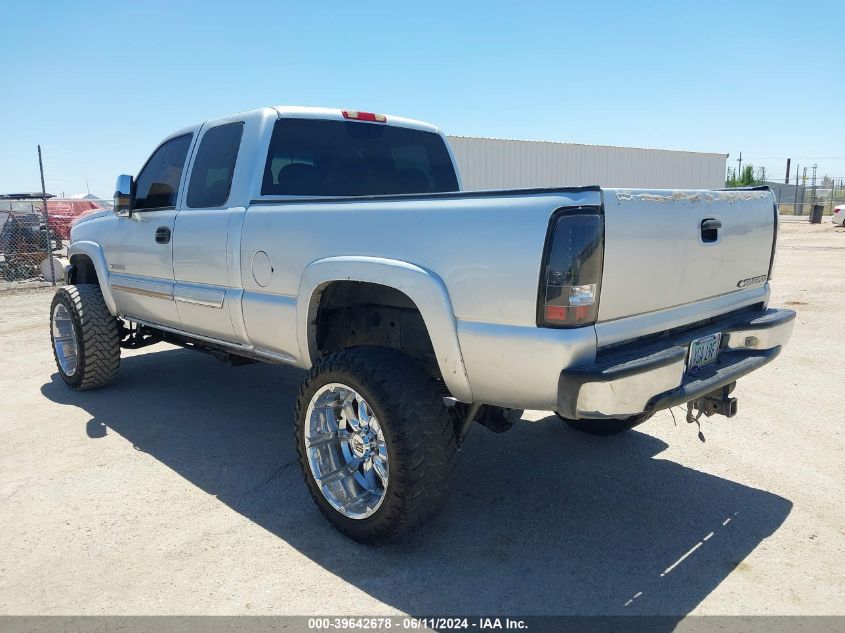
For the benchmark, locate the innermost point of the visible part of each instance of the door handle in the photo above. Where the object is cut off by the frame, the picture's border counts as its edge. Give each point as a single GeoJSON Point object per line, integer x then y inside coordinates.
{"type": "Point", "coordinates": [710, 230]}
{"type": "Point", "coordinates": [163, 235]}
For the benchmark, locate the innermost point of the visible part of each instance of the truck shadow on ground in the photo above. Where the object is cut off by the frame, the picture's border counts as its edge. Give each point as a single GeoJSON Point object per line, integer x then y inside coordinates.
{"type": "Point", "coordinates": [541, 520]}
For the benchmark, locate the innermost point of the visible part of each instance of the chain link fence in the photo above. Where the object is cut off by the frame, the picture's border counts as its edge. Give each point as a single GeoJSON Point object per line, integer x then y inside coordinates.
{"type": "Point", "coordinates": [33, 244]}
{"type": "Point", "coordinates": [800, 199]}
{"type": "Point", "coordinates": [806, 208]}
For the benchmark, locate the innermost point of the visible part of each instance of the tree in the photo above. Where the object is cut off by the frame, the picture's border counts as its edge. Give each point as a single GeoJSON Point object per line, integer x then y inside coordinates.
{"type": "Point", "coordinates": [750, 176]}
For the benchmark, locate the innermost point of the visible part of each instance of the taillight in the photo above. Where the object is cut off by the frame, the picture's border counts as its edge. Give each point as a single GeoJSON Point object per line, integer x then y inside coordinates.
{"type": "Point", "coordinates": [363, 116]}
{"type": "Point", "coordinates": [571, 278]}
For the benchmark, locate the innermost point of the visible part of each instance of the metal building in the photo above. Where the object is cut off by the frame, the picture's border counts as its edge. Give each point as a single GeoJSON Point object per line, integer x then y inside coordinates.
{"type": "Point", "coordinates": [490, 163]}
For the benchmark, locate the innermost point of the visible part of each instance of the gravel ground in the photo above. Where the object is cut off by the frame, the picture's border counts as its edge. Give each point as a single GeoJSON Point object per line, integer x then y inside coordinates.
{"type": "Point", "coordinates": [177, 491]}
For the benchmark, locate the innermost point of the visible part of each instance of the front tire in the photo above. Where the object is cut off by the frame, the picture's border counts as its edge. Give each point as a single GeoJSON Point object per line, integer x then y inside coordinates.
{"type": "Point", "coordinates": [85, 337]}
{"type": "Point", "coordinates": [608, 426]}
{"type": "Point", "coordinates": [376, 443]}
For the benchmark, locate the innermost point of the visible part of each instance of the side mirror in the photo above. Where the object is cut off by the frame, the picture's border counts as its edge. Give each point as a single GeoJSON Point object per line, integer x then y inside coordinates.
{"type": "Point", "coordinates": [123, 195]}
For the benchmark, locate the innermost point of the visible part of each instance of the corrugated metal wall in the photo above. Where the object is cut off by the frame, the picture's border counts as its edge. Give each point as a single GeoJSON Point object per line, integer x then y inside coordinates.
{"type": "Point", "coordinates": [488, 163]}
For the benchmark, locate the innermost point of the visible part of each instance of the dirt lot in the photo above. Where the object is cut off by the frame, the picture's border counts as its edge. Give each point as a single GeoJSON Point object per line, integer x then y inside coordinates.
{"type": "Point", "coordinates": [177, 491]}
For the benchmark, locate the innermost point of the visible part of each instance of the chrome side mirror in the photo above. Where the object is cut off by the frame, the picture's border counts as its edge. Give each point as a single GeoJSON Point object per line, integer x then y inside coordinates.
{"type": "Point", "coordinates": [123, 195]}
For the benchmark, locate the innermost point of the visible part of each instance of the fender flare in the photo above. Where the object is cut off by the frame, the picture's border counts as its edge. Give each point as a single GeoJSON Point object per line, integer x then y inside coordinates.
{"type": "Point", "coordinates": [94, 252]}
{"type": "Point", "coordinates": [423, 287]}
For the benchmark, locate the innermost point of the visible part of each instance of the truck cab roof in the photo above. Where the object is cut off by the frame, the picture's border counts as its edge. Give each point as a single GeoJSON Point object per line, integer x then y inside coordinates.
{"type": "Point", "coordinates": [272, 113]}
{"type": "Point", "coordinates": [336, 114]}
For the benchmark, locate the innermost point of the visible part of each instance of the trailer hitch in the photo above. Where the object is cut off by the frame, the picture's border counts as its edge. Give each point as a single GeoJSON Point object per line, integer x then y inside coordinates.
{"type": "Point", "coordinates": [718, 402]}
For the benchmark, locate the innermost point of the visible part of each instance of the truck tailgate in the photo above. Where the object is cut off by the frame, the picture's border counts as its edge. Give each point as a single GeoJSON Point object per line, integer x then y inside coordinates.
{"type": "Point", "coordinates": [657, 255]}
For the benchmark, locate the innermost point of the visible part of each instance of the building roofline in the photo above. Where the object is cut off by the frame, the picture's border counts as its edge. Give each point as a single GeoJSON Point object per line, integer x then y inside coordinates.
{"type": "Point", "coordinates": [525, 140]}
{"type": "Point", "coordinates": [30, 195]}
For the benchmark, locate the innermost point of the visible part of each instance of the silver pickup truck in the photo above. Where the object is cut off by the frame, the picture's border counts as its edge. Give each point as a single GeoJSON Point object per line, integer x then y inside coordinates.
{"type": "Point", "coordinates": [341, 242]}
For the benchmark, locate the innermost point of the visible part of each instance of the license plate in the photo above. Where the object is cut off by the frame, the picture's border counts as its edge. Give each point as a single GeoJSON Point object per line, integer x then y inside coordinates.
{"type": "Point", "coordinates": [703, 351]}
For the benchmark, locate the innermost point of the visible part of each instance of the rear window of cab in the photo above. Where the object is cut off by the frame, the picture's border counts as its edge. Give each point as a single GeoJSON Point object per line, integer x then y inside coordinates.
{"type": "Point", "coordinates": [314, 157]}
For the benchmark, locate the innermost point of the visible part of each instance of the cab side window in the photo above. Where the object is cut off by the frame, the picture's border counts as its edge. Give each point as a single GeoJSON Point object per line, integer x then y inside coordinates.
{"type": "Point", "coordinates": [158, 183]}
{"type": "Point", "coordinates": [211, 177]}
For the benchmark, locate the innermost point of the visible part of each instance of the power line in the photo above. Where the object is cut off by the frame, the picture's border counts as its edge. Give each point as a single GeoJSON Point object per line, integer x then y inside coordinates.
{"type": "Point", "coordinates": [795, 157]}
{"type": "Point", "coordinates": [776, 176]}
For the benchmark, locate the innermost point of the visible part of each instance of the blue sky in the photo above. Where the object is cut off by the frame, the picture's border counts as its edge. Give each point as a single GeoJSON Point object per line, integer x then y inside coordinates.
{"type": "Point", "coordinates": [98, 84]}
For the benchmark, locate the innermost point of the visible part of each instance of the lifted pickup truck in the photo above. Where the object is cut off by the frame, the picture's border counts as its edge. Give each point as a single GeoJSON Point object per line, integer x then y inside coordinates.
{"type": "Point", "coordinates": [341, 242]}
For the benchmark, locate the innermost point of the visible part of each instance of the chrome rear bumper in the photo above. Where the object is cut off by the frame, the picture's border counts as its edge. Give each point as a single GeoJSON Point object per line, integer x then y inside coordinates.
{"type": "Point", "coordinates": [646, 376]}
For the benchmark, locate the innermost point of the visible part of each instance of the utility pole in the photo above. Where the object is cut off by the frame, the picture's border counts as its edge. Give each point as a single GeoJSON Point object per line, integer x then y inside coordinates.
{"type": "Point", "coordinates": [803, 189]}
{"type": "Point", "coordinates": [813, 184]}
{"type": "Point", "coordinates": [46, 218]}
{"type": "Point", "coordinates": [795, 204]}
{"type": "Point", "coordinates": [788, 162]}
{"type": "Point", "coordinates": [739, 166]}
{"type": "Point", "coordinates": [814, 219]}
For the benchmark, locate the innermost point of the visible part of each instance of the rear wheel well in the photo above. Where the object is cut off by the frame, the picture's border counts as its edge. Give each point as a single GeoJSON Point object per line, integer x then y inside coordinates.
{"type": "Point", "coordinates": [83, 271]}
{"type": "Point", "coordinates": [357, 313]}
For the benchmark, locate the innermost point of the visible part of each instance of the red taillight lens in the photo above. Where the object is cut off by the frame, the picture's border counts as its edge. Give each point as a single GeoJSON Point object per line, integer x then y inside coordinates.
{"type": "Point", "coordinates": [569, 290]}
{"type": "Point", "coordinates": [364, 116]}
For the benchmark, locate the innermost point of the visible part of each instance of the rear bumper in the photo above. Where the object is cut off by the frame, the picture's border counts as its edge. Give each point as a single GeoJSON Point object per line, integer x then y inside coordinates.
{"type": "Point", "coordinates": [644, 377]}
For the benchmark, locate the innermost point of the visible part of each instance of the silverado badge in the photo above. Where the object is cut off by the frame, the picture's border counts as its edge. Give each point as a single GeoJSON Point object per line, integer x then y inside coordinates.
{"type": "Point", "coordinates": [751, 281]}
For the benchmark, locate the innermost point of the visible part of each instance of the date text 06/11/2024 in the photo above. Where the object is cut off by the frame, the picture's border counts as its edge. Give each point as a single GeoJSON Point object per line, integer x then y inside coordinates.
{"type": "Point", "coordinates": [412, 623]}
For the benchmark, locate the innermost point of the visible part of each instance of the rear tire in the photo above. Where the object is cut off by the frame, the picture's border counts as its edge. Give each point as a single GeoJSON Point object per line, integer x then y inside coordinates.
{"type": "Point", "coordinates": [414, 429]}
{"type": "Point", "coordinates": [85, 337]}
{"type": "Point", "coordinates": [608, 426]}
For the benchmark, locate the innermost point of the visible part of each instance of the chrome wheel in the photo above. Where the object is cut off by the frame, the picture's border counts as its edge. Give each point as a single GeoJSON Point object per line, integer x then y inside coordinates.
{"type": "Point", "coordinates": [346, 451]}
{"type": "Point", "coordinates": [64, 340]}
